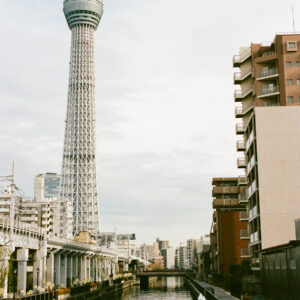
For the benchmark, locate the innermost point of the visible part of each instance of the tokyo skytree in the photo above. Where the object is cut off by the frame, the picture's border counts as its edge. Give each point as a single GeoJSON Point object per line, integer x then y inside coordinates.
{"type": "Point", "coordinates": [78, 197]}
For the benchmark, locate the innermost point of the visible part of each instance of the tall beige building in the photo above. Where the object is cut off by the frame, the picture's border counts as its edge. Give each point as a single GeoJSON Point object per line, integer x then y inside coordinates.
{"type": "Point", "coordinates": [269, 131]}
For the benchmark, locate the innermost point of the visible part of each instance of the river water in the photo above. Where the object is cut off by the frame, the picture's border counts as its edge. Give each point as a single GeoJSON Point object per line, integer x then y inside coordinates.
{"type": "Point", "coordinates": [167, 288]}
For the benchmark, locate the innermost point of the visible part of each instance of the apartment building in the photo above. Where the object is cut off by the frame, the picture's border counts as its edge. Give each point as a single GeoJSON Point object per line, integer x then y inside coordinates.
{"type": "Point", "coordinates": [229, 234]}
{"type": "Point", "coordinates": [46, 186]}
{"type": "Point", "coordinates": [183, 261]}
{"type": "Point", "coordinates": [177, 258]}
{"type": "Point", "coordinates": [269, 131]}
{"type": "Point", "coordinates": [162, 244]}
{"type": "Point", "coordinates": [192, 246]}
{"type": "Point", "coordinates": [169, 257]}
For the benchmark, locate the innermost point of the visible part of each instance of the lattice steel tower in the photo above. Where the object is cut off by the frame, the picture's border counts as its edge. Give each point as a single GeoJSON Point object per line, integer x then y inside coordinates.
{"type": "Point", "coordinates": [78, 188]}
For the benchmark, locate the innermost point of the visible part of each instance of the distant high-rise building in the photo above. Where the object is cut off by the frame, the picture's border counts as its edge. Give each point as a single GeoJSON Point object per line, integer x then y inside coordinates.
{"type": "Point", "coordinates": [46, 186]}
{"type": "Point", "coordinates": [183, 261]}
{"type": "Point", "coordinates": [269, 92]}
{"type": "Point", "coordinates": [169, 257]}
{"type": "Point", "coordinates": [162, 244]}
{"type": "Point", "coordinates": [78, 178]}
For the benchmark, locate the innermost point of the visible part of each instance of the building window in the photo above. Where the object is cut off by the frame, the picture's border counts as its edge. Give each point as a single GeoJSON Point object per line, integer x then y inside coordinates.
{"type": "Point", "coordinates": [290, 99]}
{"type": "Point", "coordinates": [298, 99]}
{"type": "Point", "coordinates": [298, 63]}
{"type": "Point", "coordinates": [291, 46]}
{"type": "Point", "coordinates": [289, 81]}
{"type": "Point", "coordinates": [288, 64]}
{"type": "Point", "coordinates": [298, 81]}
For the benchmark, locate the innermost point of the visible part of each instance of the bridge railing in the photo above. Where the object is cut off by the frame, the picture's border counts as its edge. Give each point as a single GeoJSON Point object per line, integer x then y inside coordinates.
{"type": "Point", "coordinates": [18, 225]}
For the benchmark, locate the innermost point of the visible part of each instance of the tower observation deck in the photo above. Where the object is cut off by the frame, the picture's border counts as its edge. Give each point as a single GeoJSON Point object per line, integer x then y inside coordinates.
{"type": "Point", "coordinates": [79, 205]}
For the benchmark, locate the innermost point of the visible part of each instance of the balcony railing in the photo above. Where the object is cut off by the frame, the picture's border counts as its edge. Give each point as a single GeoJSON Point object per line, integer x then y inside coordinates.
{"type": "Point", "coordinates": [243, 198]}
{"type": "Point", "coordinates": [245, 252]}
{"type": "Point", "coordinates": [244, 234]}
{"type": "Point", "coordinates": [241, 94]}
{"type": "Point", "coordinates": [240, 146]}
{"type": "Point", "coordinates": [268, 53]}
{"type": "Point", "coordinates": [254, 238]}
{"type": "Point", "coordinates": [253, 213]}
{"type": "Point", "coordinates": [225, 190]}
{"type": "Point", "coordinates": [242, 180]}
{"type": "Point", "coordinates": [240, 76]}
{"type": "Point", "coordinates": [238, 112]}
{"type": "Point", "coordinates": [244, 216]}
{"type": "Point", "coordinates": [241, 162]}
{"type": "Point", "coordinates": [240, 58]}
{"type": "Point", "coordinates": [267, 73]}
{"type": "Point", "coordinates": [217, 203]}
{"type": "Point", "coordinates": [239, 128]}
{"type": "Point", "coordinates": [269, 91]}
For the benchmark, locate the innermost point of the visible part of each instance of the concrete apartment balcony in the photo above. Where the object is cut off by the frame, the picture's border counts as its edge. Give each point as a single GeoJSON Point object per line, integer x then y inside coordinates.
{"type": "Point", "coordinates": [218, 190]}
{"type": "Point", "coordinates": [239, 129]}
{"type": "Point", "coordinates": [239, 95]}
{"type": "Point", "coordinates": [268, 74]}
{"type": "Point", "coordinates": [241, 162]}
{"type": "Point", "coordinates": [240, 146]}
{"type": "Point", "coordinates": [243, 199]}
{"type": "Point", "coordinates": [244, 234]}
{"type": "Point", "coordinates": [240, 112]}
{"type": "Point", "coordinates": [28, 219]}
{"type": "Point", "coordinates": [254, 238]}
{"type": "Point", "coordinates": [238, 77]}
{"type": "Point", "coordinates": [242, 180]}
{"type": "Point", "coordinates": [268, 56]}
{"type": "Point", "coordinates": [242, 57]}
{"type": "Point", "coordinates": [268, 92]}
{"type": "Point", "coordinates": [253, 213]}
{"type": "Point", "coordinates": [223, 203]}
{"type": "Point", "coordinates": [244, 216]}
{"type": "Point", "coordinates": [245, 253]}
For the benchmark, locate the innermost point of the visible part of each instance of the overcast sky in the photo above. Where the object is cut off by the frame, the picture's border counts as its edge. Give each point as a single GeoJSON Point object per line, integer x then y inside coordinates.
{"type": "Point", "coordinates": [165, 108]}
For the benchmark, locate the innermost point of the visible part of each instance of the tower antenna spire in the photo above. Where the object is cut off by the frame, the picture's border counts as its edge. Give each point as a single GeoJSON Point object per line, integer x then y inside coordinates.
{"type": "Point", "coordinates": [293, 14]}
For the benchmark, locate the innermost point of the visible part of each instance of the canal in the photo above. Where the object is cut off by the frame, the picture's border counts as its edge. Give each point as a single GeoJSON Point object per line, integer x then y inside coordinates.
{"type": "Point", "coordinates": [167, 288]}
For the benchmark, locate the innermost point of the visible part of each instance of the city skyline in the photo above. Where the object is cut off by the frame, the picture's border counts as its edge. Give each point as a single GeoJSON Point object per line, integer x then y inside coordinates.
{"type": "Point", "coordinates": [160, 138]}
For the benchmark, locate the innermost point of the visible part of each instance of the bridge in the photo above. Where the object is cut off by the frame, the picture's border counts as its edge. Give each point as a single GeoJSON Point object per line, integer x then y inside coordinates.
{"type": "Point", "coordinates": [55, 260]}
{"type": "Point", "coordinates": [144, 276]}
{"type": "Point", "coordinates": [161, 273]}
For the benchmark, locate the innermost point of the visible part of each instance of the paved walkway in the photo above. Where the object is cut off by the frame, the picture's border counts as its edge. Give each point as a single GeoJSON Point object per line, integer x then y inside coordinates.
{"type": "Point", "coordinates": [213, 291]}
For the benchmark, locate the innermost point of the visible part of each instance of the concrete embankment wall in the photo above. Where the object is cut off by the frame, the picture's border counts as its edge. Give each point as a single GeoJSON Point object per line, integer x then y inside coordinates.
{"type": "Point", "coordinates": [104, 293]}
{"type": "Point", "coordinates": [210, 292]}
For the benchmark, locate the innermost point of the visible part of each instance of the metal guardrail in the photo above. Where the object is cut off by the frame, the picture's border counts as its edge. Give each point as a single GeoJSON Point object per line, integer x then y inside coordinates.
{"type": "Point", "coordinates": [244, 233]}
{"type": "Point", "coordinates": [5, 222]}
{"type": "Point", "coordinates": [269, 53]}
{"type": "Point", "coordinates": [266, 91]}
{"type": "Point", "coordinates": [267, 73]}
{"type": "Point", "coordinates": [45, 296]}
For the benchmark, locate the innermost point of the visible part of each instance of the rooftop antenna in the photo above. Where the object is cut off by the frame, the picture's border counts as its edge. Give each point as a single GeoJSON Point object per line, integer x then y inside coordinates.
{"type": "Point", "coordinates": [293, 13]}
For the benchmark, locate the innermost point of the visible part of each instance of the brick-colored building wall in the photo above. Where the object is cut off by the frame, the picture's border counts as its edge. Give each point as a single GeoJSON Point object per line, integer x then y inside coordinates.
{"type": "Point", "coordinates": [229, 241]}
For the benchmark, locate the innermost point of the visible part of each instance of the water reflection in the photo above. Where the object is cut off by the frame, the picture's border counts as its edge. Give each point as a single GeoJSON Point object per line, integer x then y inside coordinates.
{"type": "Point", "coordinates": [163, 288]}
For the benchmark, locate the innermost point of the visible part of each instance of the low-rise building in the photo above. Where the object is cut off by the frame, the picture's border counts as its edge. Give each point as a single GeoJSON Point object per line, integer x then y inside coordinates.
{"type": "Point", "coordinates": [229, 233]}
